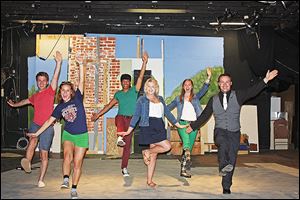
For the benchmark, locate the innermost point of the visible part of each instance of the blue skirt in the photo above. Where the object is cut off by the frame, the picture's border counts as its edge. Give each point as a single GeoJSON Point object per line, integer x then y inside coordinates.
{"type": "Point", "coordinates": [153, 133]}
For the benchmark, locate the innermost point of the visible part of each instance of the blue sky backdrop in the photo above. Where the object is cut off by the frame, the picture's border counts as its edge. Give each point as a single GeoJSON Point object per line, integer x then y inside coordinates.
{"type": "Point", "coordinates": [36, 65]}
{"type": "Point", "coordinates": [184, 55]}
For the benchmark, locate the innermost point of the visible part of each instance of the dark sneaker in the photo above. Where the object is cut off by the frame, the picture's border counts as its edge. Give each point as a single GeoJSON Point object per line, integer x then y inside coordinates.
{"type": "Point", "coordinates": [226, 191]}
{"type": "Point", "coordinates": [74, 195]}
{"type": "Point", "coordinates": [185, 174]}
{"type": "Point", "coordinates": [65, 185]}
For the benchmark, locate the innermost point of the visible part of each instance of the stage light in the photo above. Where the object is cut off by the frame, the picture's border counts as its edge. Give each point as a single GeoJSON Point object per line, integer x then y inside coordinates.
{"type": "Point", "coordinates": [156, 10]}
{"type": "Point", "coordinates": [45, 21]}
{"type": "Point", "coordinates": [227, 23]}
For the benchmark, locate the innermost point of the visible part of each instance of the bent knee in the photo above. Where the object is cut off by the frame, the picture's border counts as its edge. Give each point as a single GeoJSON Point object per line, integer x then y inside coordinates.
{"type": "Point", "coordinates": [168, 146]}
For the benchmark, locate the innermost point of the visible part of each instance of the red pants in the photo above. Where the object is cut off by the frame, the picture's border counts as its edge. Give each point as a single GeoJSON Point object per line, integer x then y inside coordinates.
{"type": "Point", "coordinates": [122, 123]}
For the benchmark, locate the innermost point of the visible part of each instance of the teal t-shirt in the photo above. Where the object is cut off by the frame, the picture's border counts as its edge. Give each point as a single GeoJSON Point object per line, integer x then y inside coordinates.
{"type": "Point", "coordinates": [127, 101]}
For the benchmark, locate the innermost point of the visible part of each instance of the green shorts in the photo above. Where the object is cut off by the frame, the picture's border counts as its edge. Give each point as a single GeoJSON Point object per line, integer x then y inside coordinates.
{"type": "Point", "coordinates": [79, 140]}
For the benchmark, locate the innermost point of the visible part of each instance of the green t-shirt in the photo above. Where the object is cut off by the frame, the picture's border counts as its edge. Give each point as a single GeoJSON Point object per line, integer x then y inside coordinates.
{"type": "Point", "coordinates": [127, 101]}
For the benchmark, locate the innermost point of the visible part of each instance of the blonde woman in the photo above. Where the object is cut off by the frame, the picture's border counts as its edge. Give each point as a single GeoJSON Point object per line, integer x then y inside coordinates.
{"type": "Point", "coordinates": [150, 110]}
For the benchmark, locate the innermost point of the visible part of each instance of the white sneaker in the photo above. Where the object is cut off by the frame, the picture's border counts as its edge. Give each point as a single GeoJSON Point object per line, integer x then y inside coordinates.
{"type": "Point", "coordinates": [41, 184]}
{"type": "Point", "coordinates": [74, 195]}
{"type": "Point", "coordinates": [120, 141]}
{"type": "Point", "coordinates": [125, 172]}
{"type": "Point", "coordinates": [65, 185]}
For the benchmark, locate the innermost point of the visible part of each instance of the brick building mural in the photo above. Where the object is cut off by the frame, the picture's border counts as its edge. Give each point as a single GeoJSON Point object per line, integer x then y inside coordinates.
{"type": "Point", "coordinates": [101, 79]}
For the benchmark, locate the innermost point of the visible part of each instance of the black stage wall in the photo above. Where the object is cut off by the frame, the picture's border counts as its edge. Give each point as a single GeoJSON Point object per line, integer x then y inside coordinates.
{"type": "Point", "coordinates": [16, 48]}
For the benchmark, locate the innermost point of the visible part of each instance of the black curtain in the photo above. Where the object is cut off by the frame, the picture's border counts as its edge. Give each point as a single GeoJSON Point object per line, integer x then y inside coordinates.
{"type": "Point", "coordinates": [258, 50]}
{"type": "Point", "coordinates": [264, 50]}
{"type": "Point", "coordinates": [16, 48]}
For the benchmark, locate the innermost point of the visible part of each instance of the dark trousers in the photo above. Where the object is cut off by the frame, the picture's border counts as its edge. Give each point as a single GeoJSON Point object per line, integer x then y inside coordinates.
{"type": "Point", "coordinates": [122, 123]}
{"type": "Point", "coordinates": [228, 145]}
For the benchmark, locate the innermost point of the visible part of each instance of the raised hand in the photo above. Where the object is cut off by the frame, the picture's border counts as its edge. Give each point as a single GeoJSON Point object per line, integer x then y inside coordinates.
{"type": "Point", "coordinates": [145, 57]}
{"type": "Point", "coordinates": [271, 75]}
{"type": "Point", "coordinates": [208, 72]}
{"type": "Point", "coordinates": [58, 57]}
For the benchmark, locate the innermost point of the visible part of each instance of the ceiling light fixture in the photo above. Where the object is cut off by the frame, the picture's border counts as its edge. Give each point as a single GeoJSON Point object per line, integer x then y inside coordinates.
{"type": "Point", "coordinates": [137, 10]}
{"type": "Point", "coordinates": [227, 23]}
{"type": "Point", "coordinates": [45, 21]}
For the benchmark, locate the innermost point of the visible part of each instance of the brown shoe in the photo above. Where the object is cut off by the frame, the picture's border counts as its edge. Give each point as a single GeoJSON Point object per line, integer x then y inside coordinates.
{"type": "Point", "coordinates": [25, 163]}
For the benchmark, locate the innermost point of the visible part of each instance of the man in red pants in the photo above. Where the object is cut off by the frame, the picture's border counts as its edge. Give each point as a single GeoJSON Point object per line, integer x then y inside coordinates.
{"type": "Point", "coordinates": [126, 98]}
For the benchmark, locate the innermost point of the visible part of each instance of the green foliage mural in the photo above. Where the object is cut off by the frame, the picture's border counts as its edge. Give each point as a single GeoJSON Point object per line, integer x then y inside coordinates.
{"type": "Point", "coordinates": [30, 108]}
{"type": "Point", "coordinates": [198, 80]}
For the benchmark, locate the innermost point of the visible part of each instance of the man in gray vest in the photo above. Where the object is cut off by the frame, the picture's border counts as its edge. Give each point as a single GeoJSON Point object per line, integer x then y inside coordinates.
{"type": "Point", "coordinates": [226, 108]}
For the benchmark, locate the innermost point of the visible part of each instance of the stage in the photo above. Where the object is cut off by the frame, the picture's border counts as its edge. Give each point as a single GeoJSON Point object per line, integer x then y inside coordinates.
{"type": "Point", "coordinates": [267, 175]}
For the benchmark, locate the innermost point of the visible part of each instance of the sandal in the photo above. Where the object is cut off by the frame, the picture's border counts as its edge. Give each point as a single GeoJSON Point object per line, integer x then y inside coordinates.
{"type": "Point", "coordinates": [152, 184]}
{"type": "Point", "coordinates": [146, 158]}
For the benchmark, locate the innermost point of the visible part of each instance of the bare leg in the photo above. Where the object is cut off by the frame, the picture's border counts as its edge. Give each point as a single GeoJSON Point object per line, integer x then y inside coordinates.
{"type": "Point", "coordinates": [156, 148]}
{"type": "Point", "coordinates": [26, 162]}
{"type": "Point", "coordinates": [31, 148]}
{"type": "Point", "coordinates": [44, 164]}
{"type": "Point", "coordinates": [151, 168]}
{"type": "Point", "coordinates": [68, 157]}
{"type": "Point", "coordinates": [78, 160]}
{"type": "Point", "coordinates": [160, 147]}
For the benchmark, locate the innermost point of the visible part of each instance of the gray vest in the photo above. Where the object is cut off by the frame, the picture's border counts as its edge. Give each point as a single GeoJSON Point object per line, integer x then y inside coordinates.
{"type": "Point", "coordinates": [227, 119]}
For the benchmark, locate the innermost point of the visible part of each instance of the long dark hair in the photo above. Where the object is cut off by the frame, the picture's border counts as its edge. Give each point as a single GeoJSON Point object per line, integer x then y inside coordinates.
{"type": "Point", "coordinates": [183, 92]}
